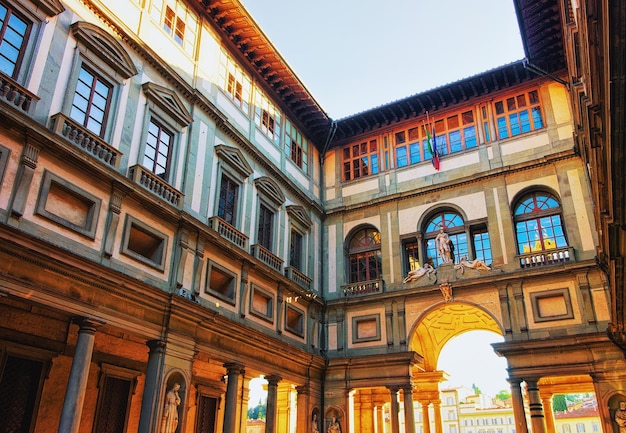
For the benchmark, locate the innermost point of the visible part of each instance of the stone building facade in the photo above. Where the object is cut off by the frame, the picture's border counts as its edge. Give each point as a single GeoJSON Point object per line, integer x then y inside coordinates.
{"type": "Point", "coordinates": [180, 216]}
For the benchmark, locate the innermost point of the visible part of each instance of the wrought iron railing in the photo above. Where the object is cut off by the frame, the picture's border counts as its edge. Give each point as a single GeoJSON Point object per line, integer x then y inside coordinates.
{"type": "Point", "coordinates": [229, 232]}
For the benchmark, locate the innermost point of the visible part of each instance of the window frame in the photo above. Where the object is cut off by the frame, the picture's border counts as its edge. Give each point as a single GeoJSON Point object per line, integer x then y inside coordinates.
{"type": "Point", "coordinates": [359, 157]}
{"type": "Point", "coordinates": [300, 329]}
{"type": "Point", "coordinates": [162, 130]}
{"type": "Point", "coordinates": [364, 254]}
{"type": "Point", "coordinates": [504, 111]}
{"type": "Point", "coordinates": [229, 68]}
{"type": "Point", "coordinates": [296, 146]}
{"type": "Point", "coordinates": [108, 371]}
{"type": "Point", "coordinates": [107, 60]}
{"type": "Point", "coordinates": [233, 283]}
{"type": "Point", "coordinates": [267, 117]}
{"type": "Point", "coordinates": [131, 223]}
{"type": "Point", "coordinates": [167, 110]}
{"type": "Point", "coordinates": [537, 215]}
{"type": "Point", "coordinates": [233, 165]}
{"type": "Point", "coordinates": [23, 50]}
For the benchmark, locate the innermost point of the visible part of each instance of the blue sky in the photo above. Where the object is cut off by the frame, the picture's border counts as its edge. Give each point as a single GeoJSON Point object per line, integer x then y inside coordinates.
{"type": "Point", "coordinates": [354, 55]}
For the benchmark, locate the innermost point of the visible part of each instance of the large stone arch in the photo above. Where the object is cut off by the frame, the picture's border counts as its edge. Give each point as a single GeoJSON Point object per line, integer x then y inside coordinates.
{"type": "Point", "coordinates": [439, 324]}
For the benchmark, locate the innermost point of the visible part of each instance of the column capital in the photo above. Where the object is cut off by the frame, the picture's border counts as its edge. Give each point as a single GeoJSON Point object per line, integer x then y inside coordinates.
{"type": "Point", "coordinates": [273, 379]}
{"type": "Point", "coordinates": [303, 389]}
{"type": "Point", "coordinates": [233, 368]}
{"type": "Point", "coordinates": [88, 324]}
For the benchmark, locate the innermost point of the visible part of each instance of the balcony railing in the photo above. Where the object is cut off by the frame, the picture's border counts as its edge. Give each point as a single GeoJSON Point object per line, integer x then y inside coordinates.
{"type": "Point", "coordinates": [16, 95]}
{"type": "Point", "coordinates": [298, 277]}
{"type": "Point", "coordinates": [264, 255]}
{"type": "Point", "coordinates": [547, 257]}
{"type": "Point", "coordinates": [363, 288]}
{"type": "Point", "coordinates": [229, 232]}
{"type": "Point", "coordinates": [87, 141]}
{"type": "Point", "coordinates": [155, 184]}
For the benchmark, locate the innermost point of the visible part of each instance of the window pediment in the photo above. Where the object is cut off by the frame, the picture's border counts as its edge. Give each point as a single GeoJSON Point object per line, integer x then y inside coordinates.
{"type": "Point", "coordinates": [50, 7]}
{"type": "Point", "coordinates": [270, 189]}
{"type": "Point", "coordinates": [105, 46]}
{"type": "Point", "coordinates": [235, 159]}
{"type": "Point", "coordinates": [168, 101]}
{"type": "Point", "coordinates": [299, 214]}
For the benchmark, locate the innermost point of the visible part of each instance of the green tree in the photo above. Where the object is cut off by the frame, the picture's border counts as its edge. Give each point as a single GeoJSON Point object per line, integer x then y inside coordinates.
{"type": "Point", "coordinates": [559, 403]}
{"type": "Point", "coordinates": [476, 389]}
{"type": "Point", "coordinates": [257, 412]}
{"type": "Point", "coordinates": [503, 395]}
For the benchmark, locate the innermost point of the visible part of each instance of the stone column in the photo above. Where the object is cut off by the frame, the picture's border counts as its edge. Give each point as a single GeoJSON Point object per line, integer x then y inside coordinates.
{"type": "Point", "coordinates": [518, 407]}
{"type": "Point", "coordinates": [233, 371]}
{"type": "Point", "coordinates": [395, 410]}
{"type": "Point", "coordinates": [437, 415]}
{"type": "Point", "coordinates": [537, 418]}
{"type": "Point", "coordinates": [79, 373]}
{"type": "Point", "coordinates": [272, 400]}
{"type": "Point", "coordinates": [409, 410]}
{"type": "Point", "coordinates": [304, 420]}
{"type": "Point", "coordinates": [425, 415]}
{"type": "Point", "coordinates": [150, 402]}
{"type": "Point", "coordinates": [546, 400]}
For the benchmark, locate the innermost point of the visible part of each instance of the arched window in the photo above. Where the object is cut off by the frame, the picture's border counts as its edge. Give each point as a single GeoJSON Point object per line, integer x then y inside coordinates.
{"type": "Point", "coordinates": [453, 224]}
{"type": "Point", "coordinates": [365, 256]}
{"type": "Point", "coordinates": [538, 223]}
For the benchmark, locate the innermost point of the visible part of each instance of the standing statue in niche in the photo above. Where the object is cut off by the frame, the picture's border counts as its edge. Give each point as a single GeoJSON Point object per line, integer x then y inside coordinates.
{"type": "Point", "coordinates": [334, 427]}
{"type": "Point", "coordinates": [444, 246]}
{"type": "Point", "coordinates": [315, 428]}
{"type": "Point", "coordinates": [170, 411]}
{"type": "Point", "coordinates": [620, 417]}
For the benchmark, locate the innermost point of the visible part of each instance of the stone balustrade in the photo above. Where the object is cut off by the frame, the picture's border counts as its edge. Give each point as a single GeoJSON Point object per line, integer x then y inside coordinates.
{"type": "Point", "coordinates": [363, 288]}
{"type": "Point", "coordinates": [264, 255]}
{"type": "Point", "coordinates": [16, 95]}
{"type": "Point", "coordinates": [547, 257]}
{"type": "Point", "coordinates": [156, 185]}
{"type": "Point", "coordinates": [229, 232]}
{"type": "Point", "coordinates": [85, 140]}
{"type": "Point", "coordinates": [298, 277]}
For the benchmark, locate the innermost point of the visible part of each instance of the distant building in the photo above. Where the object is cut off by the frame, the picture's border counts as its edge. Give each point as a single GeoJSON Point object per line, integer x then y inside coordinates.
{"type": "Point", "coordinates": [580, 420]}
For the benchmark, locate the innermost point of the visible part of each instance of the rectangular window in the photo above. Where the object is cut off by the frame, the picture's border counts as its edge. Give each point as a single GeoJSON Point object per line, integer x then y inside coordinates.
{"type": "Point", "coordinates": [178, 21]}
{"type": "Point", "coordinates": [262, 304]}
{"type": "Point", "coordinates": [144, 243]}
{"type": "Point", "coordinates": [113, 403]}
{"type": "Point", "coordinates": [14, 32]}
{"type": "Point", "coordinates": [235, 82]}
{"type": "Point", "coordinates": [519, 114]}
{"type": "Point", "coordinates": [207, 414]}
{"type": "Point", "coordinates": [295, 250]}
{"type": "Point", "coordinates": [296, 146]}
{"type": "Point", "coordinates": [220, 283]}
{"type": "Point", "coordinates": [294, 320]}
{"type": "Point", "coordinates": [91, 102]}
{"type": "Point", "coordinates": [265, 227]}
{"type": "Point", "coordinates": [360, 160]}
{"type": "Point", "coordinates": [227, 206]}
{"type": "Point", "coordinates": [580, 427]}
{"type": "Point", "coordinates": [20, 383]}
{"type": "Point", "coordinates": [411, 255]}
{"type": "Point", "coordinates": [267, 117]}
{"type": "Point", "coordinates": [158, 150]}
{"type": "Point", "coordinates": [482, 245]}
